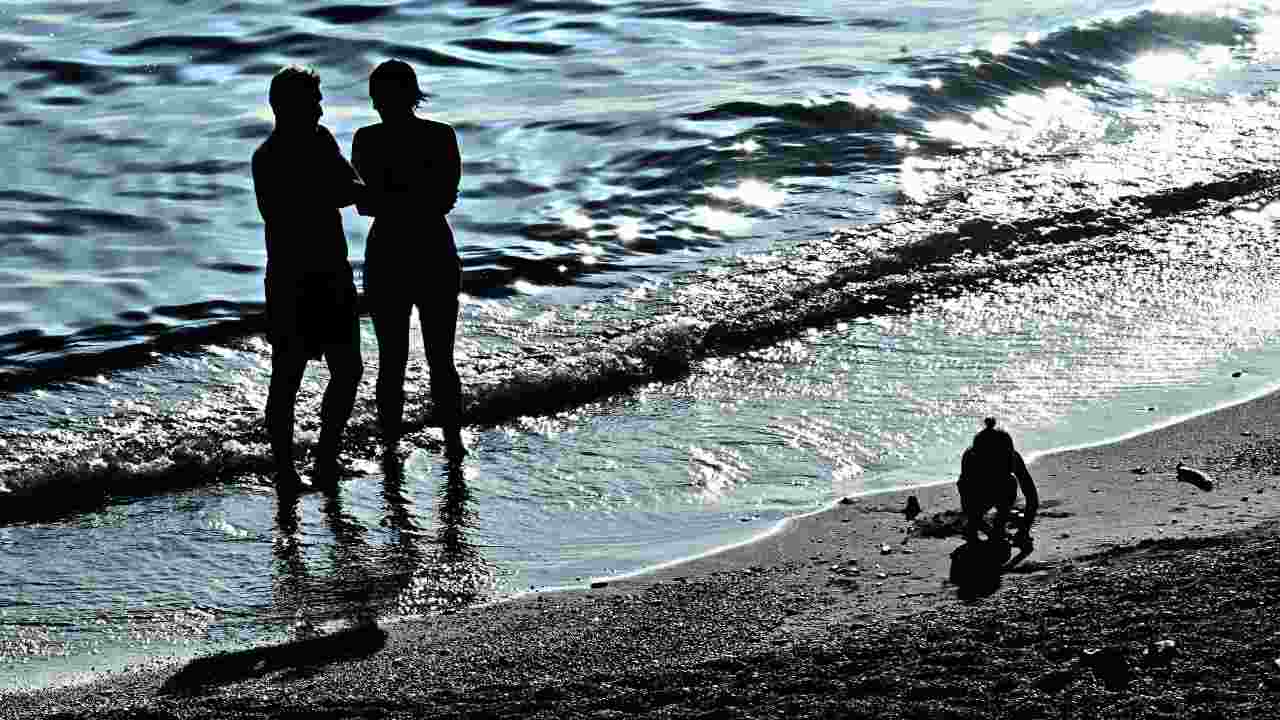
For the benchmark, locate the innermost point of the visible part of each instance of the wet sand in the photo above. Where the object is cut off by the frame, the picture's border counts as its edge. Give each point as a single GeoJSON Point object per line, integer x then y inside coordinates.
{"type": "Point", "coordinates": [1135, 577]}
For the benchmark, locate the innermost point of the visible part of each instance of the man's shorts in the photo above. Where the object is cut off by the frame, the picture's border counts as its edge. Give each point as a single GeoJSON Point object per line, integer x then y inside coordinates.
{"type": "Point", "coordinates": [310, 312]}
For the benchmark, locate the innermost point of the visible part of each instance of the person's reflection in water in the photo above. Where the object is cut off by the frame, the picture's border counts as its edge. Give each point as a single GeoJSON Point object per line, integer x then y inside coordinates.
{"type": "Point", "coordinates": [355, 589]}
{"type": "Point", "coordinates": [455, 517]}
{"type": "Point", "coordinates": [345, 593]}
{"type": "Point", "coordinates": [456, 574]}
{"type": "Point", "coordinates": [410, 573]}
{"type": "Point", "coordinates": [291, 577]}
{"type": "Point", "coordinates": [408, 536]}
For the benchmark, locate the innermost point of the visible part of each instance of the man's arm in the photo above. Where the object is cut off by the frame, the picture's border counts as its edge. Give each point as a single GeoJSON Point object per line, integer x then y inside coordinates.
{"type": "Point", "coordinates": [261, 186]}
{"type": "Point", "coordinates": [346, 187]}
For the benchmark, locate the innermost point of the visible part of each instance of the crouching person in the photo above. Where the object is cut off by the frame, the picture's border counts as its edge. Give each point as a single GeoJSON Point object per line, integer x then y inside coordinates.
{"type": "Point", "coordinates": [991, 473]}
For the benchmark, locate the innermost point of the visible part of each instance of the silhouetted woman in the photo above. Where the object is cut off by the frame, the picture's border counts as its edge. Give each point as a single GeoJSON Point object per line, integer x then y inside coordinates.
{"type": "Point", "coordinates": [412, 168]}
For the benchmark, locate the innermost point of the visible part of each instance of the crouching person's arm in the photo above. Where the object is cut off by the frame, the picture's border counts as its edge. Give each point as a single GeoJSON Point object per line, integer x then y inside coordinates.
{"type": "Point", "coordinates": [1029, 493]}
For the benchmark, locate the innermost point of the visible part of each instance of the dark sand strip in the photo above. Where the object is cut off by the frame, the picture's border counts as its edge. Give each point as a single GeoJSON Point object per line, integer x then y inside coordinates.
{"type": "Point", "coordinates": [787, 627]}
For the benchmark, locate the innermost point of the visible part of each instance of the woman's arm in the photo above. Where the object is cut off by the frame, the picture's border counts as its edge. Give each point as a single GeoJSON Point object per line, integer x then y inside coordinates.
{"type": "Point", "coordinates": [451, 177]}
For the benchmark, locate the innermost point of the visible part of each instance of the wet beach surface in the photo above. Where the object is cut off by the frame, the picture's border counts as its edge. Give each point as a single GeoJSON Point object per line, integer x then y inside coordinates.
{"type": "Point", "coordinates": [1145, 596]}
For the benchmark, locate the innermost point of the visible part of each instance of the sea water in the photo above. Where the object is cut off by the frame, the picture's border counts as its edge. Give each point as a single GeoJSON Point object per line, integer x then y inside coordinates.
{"type": "Point", "coordinates": [651, 193]}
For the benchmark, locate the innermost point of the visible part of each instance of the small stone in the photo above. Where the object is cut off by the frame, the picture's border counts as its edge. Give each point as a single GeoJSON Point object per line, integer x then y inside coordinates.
{"type": "Point", "coordinates": [846, 500]}
{"type": "Point", "coordinates": [1055, 680]}
{"type": "Point", "coordinates": [885, 549]}
{"type": "Point", "coordinates": [599, 584]}
{"type": "Point", "coordinates": [1160, 653]}
{"type": "Point", "coordinates": [1198, 478]}
{"type": "Point", "coordinates": [912, 509]}
{"type": "Point", "coordinates": [1109, 665]}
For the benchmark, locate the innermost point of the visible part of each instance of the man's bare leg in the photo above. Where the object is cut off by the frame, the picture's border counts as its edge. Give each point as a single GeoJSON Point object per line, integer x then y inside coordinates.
{"type": "Point", "coordinates": [346, 366]}
{"type": "Point", "coordinates": [287, 368]}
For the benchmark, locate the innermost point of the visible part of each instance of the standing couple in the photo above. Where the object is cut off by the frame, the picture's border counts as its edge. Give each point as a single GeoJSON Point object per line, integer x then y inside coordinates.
{"type": "Point", "coordinates": [405, 175]}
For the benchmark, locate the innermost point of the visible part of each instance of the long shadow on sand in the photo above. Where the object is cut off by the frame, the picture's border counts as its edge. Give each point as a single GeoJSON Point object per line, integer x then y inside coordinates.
{"type": "Point", "coordinates": [295, 659]}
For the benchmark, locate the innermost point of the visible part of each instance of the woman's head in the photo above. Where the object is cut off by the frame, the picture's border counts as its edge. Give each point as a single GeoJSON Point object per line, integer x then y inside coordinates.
{"type": "Point", "coordinates": [393, 87]}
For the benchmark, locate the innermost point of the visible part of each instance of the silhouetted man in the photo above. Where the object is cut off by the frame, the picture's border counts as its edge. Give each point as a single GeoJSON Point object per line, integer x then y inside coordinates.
{"type": "Point", "coordinates": [301, 179]}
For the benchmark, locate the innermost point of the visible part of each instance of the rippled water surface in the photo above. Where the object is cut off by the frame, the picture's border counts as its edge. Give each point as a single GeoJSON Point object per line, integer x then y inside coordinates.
{"type": "Point", "coordinates": [656, 204]}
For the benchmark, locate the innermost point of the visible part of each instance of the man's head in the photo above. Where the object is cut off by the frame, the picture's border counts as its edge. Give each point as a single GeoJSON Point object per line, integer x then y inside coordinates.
{"type": "Point", "coordinates": [295, 97]}
{"type": "Point", "coordinates": [393, 87]}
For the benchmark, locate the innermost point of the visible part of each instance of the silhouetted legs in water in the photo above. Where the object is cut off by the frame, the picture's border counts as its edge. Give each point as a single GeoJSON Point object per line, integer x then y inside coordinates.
{"type": "Point", "coordinates": [438, 316]}
{"type": "Point", "coordinates": [287, 369]}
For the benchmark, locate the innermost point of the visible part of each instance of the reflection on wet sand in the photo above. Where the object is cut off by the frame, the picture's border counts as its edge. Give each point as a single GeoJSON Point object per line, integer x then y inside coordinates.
{"type": "Point", "coordinates": [410, 573]}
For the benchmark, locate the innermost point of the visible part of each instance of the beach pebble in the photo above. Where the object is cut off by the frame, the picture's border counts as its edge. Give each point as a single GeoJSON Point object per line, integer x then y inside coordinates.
{"type": "Point", "coordinates": [885, 549]}
{"type": "Point", "coordinates": [1056, 679]}
{"type": "Point", "coordinates": [912, 509]}
{"type": "Point", "coordinates": [1191, 475]}
{"type": "Point", "coordinates": [1109, 664]}
{"type": "Point", "coordinates": [1160, 653]}
{"type": "Point", "coordinates": [599, 584]}
{"type": "Point", "coordinates": [1060, 610]}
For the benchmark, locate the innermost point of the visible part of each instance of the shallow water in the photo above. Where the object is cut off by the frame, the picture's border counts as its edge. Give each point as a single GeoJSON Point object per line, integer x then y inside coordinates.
{"type": "Point", "coordinates": [633, 173]}
{"type": "Point", "coordinates": [606, 144]}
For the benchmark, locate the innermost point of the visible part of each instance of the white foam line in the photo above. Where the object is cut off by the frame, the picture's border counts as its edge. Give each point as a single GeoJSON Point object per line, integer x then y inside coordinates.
{"type": "Point", "coordinates": [1160, 424]}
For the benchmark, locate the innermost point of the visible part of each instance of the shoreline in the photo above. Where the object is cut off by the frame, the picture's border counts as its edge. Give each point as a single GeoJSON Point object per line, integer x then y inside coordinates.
{"type": "Point", "coordinates": [673, 568]}
{"type": "Point", "coordinates": [1032, 459]}
{"type": "Point", "coordinates": [857, 565]}
{"type": "Point", "coordinates": [780, 525]}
